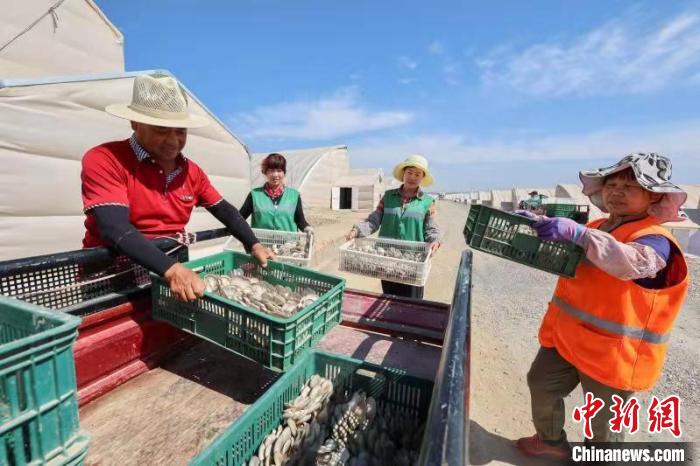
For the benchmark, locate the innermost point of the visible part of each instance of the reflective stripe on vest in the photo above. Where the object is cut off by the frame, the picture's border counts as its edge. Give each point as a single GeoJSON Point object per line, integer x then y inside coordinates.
{"type": "Point", "coordinates": [404, 222]}
{"type": "Point", "coordinates": [610, 326]}
{"type": "Point", "coordinates": [616, 331]}
{"type": "Point", "coordinates": [409, 213]}
{"type": "Point", "coordinates": [278, 208]}
{"type": "Point", "coordinates": [392, 211]}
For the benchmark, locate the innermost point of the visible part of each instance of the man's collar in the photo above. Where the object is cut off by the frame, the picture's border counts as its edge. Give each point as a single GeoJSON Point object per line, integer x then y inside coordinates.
{"type": "Point", "coordinates": [142, 154]}
{"type": "Point", "coordinates": [419, 193]}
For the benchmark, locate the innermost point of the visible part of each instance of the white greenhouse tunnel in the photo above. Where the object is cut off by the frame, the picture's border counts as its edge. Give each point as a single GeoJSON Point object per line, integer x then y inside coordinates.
{"type": "Point", "coordinates": [687, 232]}
{"type": "Point", "coordinates": [76, 39]}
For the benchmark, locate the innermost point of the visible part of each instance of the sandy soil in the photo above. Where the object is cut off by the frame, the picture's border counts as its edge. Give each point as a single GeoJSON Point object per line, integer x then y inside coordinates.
{"type": "Point", "coordinates": [509, 301]}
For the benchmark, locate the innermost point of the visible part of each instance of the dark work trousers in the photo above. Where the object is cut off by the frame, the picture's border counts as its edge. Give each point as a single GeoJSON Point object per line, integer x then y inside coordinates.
{"type": "Point", "coordinates": [551, 379]}
{"type": "Point", "coordinates": [399, 289]}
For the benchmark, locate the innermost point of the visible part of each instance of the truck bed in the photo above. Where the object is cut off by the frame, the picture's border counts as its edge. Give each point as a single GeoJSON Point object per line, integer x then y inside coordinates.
{"type": "Point", "coordinates": [146, 397]}
{"type": "Point", "coordinates": [172, 412]}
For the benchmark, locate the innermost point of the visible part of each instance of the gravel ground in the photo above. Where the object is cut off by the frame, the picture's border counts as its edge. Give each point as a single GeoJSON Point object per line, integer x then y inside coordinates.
{"type": "Point", "coordinates": [683, 365]}
{"type": "Point", "coordinates": [508, 303]}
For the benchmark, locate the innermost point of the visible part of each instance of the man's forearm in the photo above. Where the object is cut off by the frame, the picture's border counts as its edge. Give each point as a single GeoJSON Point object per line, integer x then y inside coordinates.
{"type": "Point", "coordinates": [117, 231]}
{"type": "Point", "coordinates": [234, 222]}
{"type": "Point", "coordinates": [247, 208]}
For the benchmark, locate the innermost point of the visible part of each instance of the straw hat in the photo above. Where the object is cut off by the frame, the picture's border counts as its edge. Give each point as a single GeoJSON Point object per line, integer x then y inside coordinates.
{"type": "Point", "coordinates": [158, 100]}
{"type": "Point", "coordinates": [415, 161]}
{"type": "Point", "coordinates": [652, 172]}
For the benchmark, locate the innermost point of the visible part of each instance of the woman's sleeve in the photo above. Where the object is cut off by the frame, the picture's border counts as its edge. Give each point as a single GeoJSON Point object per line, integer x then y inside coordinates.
{"type": "Point", "coordinates": [626, 261]}
{"type": "Point", "coordinates": [372, 223]}
{"type": "Point", "coordinates": [431, 230]}
{"type": "Point", "coordinates": [299, 218]}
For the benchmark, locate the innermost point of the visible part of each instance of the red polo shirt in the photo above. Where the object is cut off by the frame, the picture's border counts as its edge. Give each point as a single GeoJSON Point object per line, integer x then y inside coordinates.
{"type": "Point", "coordinates": [113, 175]}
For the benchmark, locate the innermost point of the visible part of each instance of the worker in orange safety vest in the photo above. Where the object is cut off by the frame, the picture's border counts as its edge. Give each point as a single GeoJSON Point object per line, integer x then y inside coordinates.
{"type": "Point", "coordinates": [608, 328]}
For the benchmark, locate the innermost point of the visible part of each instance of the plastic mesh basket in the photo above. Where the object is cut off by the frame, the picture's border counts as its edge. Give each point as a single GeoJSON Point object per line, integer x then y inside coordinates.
{"type": "Point", "coordinates": [560, 210]}
{"type": "Point", "coordinates": [272, 238]}
{"type": "Point", "coordinates": [76, 282]}
{"type": "Point", "coordinates": [393, 269]}
{"type": "Point", "coordinates": [272, 341]}
{"type": "Point", "coordinates": [38, 395]}
{"type": "Point", "coordinates": [237, 444]}
{"type": "Point", "coordinates": [511, 236]}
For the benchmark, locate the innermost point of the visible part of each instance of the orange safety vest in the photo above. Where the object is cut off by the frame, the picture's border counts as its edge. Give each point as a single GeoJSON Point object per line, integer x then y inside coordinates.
{"type": "Point", "coordinates": [614, 330]}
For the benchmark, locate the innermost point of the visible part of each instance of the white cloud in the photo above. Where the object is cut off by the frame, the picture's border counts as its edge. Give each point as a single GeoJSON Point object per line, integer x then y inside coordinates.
{"type": "Point", "coordinates": [680, 140]}
{"type": "Point", "coordinates": [339, 114]}
{"type": "Point", "coordinates": [621, 56]}
{"type": "Point", "coordinates": [523, 159]}
{"type": "Point", "coordinates": [436, 48]}
{"type": "Point", "coordinates": [451, 72]}
{"type": "Point", "coordinates": [407, 63]}
{"type": "Point", "coordinates": [407, 68]}
{"type": "Point", "coordinates": [451, 68]}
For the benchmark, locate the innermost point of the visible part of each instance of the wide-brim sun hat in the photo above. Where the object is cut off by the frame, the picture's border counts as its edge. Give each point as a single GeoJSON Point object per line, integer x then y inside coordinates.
{"type": "Point", "coordinates": [415, 161]}
{"type": "Point", "coordinates": [653, 173]}
{"type": "Point", "coordinates": [158, 100]}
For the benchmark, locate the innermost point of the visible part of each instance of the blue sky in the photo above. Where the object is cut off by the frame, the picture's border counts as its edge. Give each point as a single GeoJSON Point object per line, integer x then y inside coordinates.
{"type": "Point", "coordinates": [494, 94]}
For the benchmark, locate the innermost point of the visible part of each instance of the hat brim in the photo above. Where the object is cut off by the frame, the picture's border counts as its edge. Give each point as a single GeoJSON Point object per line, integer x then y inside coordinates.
{"type": "Point", "coordinates": [125, 112]}
{"type": "Point", "coordinates": [666, 210]}
{"type": "Point", "coordinates": [398, 173]}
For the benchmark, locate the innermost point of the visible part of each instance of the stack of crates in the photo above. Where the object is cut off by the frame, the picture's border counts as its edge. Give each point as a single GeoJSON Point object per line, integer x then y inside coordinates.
{"type": "Point", "coordinates": [38, 390]}
{"type": "Point", "coordinates": [38, 393]}
{"type": "Point", "coordinates": [284, 345]}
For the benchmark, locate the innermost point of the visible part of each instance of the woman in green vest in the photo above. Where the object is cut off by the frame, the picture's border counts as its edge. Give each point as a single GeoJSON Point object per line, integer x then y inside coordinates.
{"type": "Point", "coordinates": [405, 213]}
{"type": "Point", "coordinates": [275, 206]}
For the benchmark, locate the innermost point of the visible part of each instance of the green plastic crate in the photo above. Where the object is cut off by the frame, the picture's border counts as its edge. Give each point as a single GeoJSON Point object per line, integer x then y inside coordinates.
{"type": "Point", "coordinates": [274, 342]}
{"type": "Point", "coordinates": [560, 210]}
{"type": "Point", "coordinates": [501, 233]}
{"type": "Point", "coordinates": [580, 217]}
{"type": "Point", "coordinates": [241, 440]}
{"type": "Point", "coordinates": [38, 395]}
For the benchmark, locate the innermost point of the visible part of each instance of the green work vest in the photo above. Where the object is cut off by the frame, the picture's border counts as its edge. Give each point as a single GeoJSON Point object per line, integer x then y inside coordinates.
{"type": "Point", "coordinates": [406, 224]}
{"type": "Point", "coordinates": [278, 217]}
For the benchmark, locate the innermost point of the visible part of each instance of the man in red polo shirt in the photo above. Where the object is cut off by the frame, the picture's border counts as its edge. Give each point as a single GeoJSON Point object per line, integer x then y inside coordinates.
{"type": "Point", "coordinates": [143, 187]}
